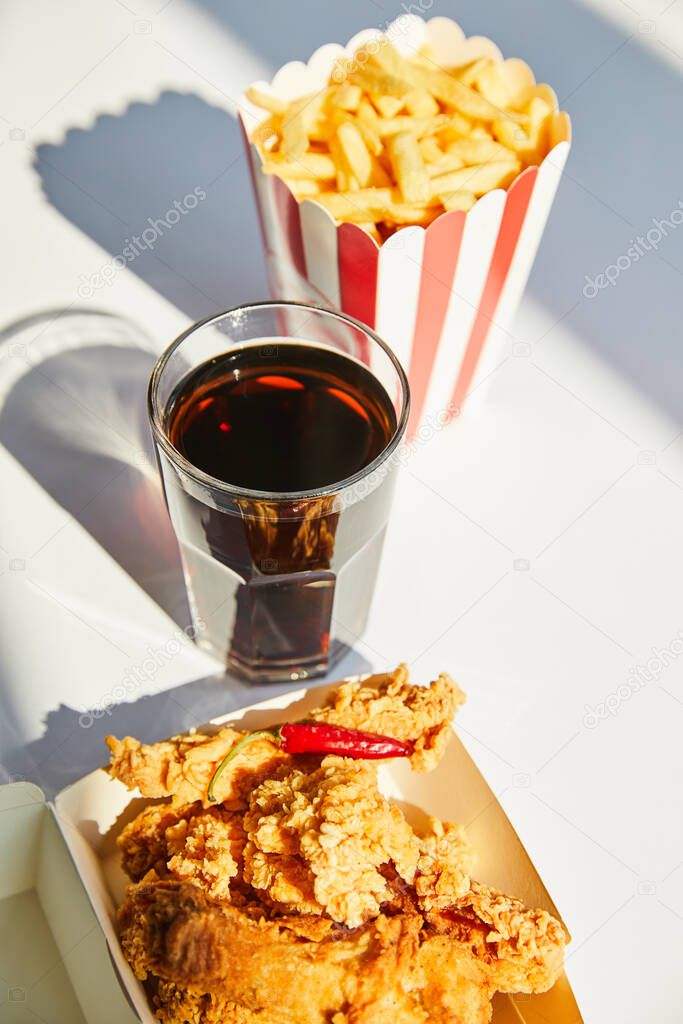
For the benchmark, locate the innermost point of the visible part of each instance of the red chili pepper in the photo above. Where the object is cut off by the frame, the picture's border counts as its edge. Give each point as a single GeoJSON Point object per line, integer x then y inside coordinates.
{"type": "Point", "coordinates": [319, 738]}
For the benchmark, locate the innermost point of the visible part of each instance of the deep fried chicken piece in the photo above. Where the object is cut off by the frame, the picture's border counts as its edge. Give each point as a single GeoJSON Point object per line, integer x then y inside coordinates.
{"type": "Point", "coordinates": [174, 1004]}
{"type": "Point", "coordinates": [521, 949]}
{"type": "Point", "coordinates": [317, 840]}
{"type": "Point", "coordinates": [188, 842]}
{"type": "Point", "coordinates": [382, 973]}
{"type": "Point", "coordinates": [320, 842]}
{"type": "Point", "coordinates": [444, 866]}
{"type": "Point", "coordinates": [182, 767]}
{"type": "Point", "coordinates": [390, 706]}
{"type": "Point", "coordinates": [143, 840]}
{"type": "Point", "coordinates": [306, 897]}
{"type": "Point", "coordinates": [400, 969]}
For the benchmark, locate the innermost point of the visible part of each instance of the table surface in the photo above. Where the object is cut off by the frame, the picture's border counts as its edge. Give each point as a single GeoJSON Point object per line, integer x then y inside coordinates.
{"type": "Point", "coordinates": [536, 550]}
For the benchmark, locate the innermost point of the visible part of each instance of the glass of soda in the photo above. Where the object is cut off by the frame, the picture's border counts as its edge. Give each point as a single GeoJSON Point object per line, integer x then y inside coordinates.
{"type": "Point", "coordinates": [277, 429]}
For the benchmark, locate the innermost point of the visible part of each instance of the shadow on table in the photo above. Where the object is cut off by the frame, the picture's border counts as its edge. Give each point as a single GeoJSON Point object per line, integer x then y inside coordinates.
{"type": "Point", "coordinates": [73, 741]}
{"type": "Point", "coordinates": [165, 187]}
{"type": "Point", "coordinates": [113, 178]}
{"type": "Point", "coordinates": [73, 413]}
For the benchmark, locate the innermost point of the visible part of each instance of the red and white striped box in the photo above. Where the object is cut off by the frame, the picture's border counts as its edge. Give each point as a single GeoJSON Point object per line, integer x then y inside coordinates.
{"type": "Point", "coordinates": [443, 297]}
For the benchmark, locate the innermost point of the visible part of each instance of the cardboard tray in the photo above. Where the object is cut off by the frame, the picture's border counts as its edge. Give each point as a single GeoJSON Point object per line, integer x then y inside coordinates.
{"type": "Point", "coordinates": [57, 940]}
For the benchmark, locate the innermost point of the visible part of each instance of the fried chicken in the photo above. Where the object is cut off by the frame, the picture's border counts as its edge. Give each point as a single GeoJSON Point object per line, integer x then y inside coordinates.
{"type": "Point", "coordinates": [521, 950]}
{"type": "Point", "coordinates": [402, 968]}
{"type": "Point", "coordinates": [182, 767]}
{"type": "Point", "coordinates": [190, 843]}
{"type": "Point", "coordinates": [391, 706]}
{"type": "Point", "coordinates": [304, 896]}
{"type": "Point", "coordinates": [317, 841]}
{"type": "Point", "coordinates": [444, 865]}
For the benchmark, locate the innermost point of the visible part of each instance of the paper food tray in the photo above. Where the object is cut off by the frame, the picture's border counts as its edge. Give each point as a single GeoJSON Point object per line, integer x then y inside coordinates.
{"type": "Point", "coordinates": [79, 894]}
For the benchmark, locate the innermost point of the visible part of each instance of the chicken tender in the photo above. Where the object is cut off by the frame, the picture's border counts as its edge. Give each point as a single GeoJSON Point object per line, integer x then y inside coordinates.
{"type": "Point", "coordinates": [303, 895]}
{"type": "Point", "coordinates": [400, 969]}
{"type": "Point", "coordinates": [188, 843]}
{"type": "Point", "coordinates": [391, 706]}
{"type": "Point", "coordinates": [444, 866]}
{"type": "Point", "coordinates": [521, 949]}
{"type": "Point", "coordinates": [182, 767]}
{"type": "Point", "coordinates": [318, 840]}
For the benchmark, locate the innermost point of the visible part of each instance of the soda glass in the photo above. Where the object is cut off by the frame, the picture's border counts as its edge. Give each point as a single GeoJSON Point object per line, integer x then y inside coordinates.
{"type": "Point", "coordinates": [279, 577]}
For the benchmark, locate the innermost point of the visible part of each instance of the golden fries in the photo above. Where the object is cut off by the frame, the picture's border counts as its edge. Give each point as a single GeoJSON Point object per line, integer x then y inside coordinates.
{"type": "Point", "coordinates": [380, 84]}
{"type": "Point", "coordinates": [491, 85]}
{"type": "Point", "coordinates": [296, 124]}
{"type": "Point", "coordinates": [319, 166]}
{"type": "Point", "coordinates": [418, 126]}
{"type": "Point", "coordinates": [355, 152]}
{"type": "Point", "coordinates": [448, 162]}
{"type": "Point", "coordinates": [460, 200]}
{"type": "Point", "coordinates": [395, 140]}
{"type": "Point", "coordinates": [421, 103]}
{"type": "Point", "coordinates": [479, 151]}
{"type": "Point", "coordinates": [453, 93]}
{"type": "Point", "coordinates": [467, 73]}
{"type": "Point", "coordinates": [431, 151]}
{"type": "Point", "coordinates": [478, 179]}
{"type": "Point", "coordinates": [377, 204]}
{"type": "Point", "coordinates": [266, 100]}
{"type": "Point", "coordinates": [408, 167]}
{"type": "Point", "coordinates": [348, 96]}
{"type": "Point", "coordinates": [387, 106]}
{"type": "Point", "coordinates": [303, 188]}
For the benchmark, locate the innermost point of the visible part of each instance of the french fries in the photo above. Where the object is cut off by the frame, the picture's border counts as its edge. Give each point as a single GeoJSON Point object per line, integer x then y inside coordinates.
{"type": "Point", "coordinates": [395, 140]}
{"type": "Point", "coordinates": [431, 151]}
{"type": "Point", "coordinates": [318, 166]}
{"type": "Point", "coordinates": [355, 152]}
{"type": "Point", "coordinates": [460, 200]}
{"type": "Point", "coordinates": [479, 151]}
{"type": "Point", "coordinates": [408, 167]}
{"type": "Point", "coordinates": [478, 179]}
{"type": "Point", "coordinates": [347, 97]}
{"type": "Point", "coordinates": [266, 100]}
{"type": "Point", "coordinates": [377, 204]}
{"type": "Point", "coordinates": [419, 126]}
{"type": "Point", "coordinates": [297, 123]}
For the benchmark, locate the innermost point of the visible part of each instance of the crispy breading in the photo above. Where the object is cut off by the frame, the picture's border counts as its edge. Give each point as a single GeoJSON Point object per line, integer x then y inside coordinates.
{"type": "Point", "coordinates": [401, 969]}
{"type": "Point", "coordinates": [317, 841]}
{"type": "Point", "coordinates": [207, 848]}
{"type": "Point", "coordinates": [311, 842]}
{"type": "Point", "coordinates": [445, 863]}
{"type": "Point", "coordinates": [173, 1004]}
{"type": "Point", "coordinates": [521, 949]}
{"type": "Point", "coordinates": [363, 976]}
{"type": "Point", "coordinates": [182, 767]}
{"type": "Point", "coordinates": [186, 842]}
{"type": "Point", "coordinates": [143, 840]}
{"type": "Point", "coordinates": [391, 706]}
{"type": "Point", "coordinates": [306, 871]}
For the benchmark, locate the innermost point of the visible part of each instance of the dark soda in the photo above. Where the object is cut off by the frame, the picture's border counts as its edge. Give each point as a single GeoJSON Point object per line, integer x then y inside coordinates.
{"type": "Point", "coordinates": [282, 425]}
{"type": "Point", "coordinates": [302, 422]}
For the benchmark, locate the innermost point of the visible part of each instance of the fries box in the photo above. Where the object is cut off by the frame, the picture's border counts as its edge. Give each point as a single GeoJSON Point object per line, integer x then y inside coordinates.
{"type": "Point", "coordinates": [60, 882]}
{"type": "Point", "coordinates": [444, 297]}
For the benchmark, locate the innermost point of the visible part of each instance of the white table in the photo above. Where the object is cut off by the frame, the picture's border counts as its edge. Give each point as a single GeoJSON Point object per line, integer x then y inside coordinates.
{"type": "Point", "coordinates": [536, 550]}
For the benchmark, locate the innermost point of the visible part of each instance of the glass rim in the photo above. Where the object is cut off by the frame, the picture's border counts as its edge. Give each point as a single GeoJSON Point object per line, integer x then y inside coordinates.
{"type": "Point", "coordinates": [156, 413]}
